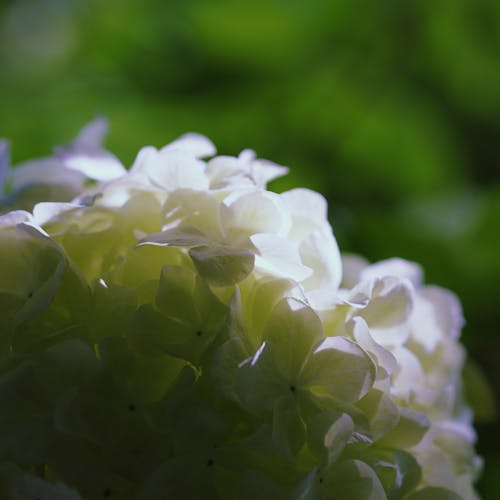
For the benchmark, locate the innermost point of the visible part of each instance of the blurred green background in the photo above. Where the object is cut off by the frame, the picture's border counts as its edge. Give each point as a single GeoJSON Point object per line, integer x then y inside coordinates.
{"type": "Point", "coordinates": [391, 109]}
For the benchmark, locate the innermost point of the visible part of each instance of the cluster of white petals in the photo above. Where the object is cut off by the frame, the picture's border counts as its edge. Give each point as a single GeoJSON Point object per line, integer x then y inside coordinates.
{"type": "Point", "coordinates": [176, 330]}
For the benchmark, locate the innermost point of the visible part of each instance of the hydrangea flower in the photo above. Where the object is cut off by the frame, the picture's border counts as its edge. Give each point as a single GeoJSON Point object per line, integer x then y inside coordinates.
{"type": "Point", "coordinates": [176, 330]}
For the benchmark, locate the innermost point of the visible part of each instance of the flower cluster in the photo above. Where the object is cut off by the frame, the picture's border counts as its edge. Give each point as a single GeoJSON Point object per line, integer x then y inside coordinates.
{"type": "Point", "coordinates": [178, 331]}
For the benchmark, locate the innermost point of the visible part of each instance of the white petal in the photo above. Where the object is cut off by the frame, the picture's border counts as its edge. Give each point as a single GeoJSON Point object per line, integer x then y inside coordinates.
{"type": "Point", "coordinates": [196, 145]}
{"type": "Point", "coordinates": [391, 302]}
{"type": "Point", "coordinates": [185, 237]}
{"type": "Point", "coordinates": [46, 211]}
{"type": "Point", "coordinates": [101, 167]}
{"type": "Point", "coordinates": [261, 171]}
{"type": "Point", "coordinates": [144, 156]}
{"type": "Point", "coordinates": [320, 252]}
{"type": "Point", "coordinates": [352, 266]}
{"type": "Point", "coordinates": [278, 257]}
{"type": "Point", "coordinates": [391, 337]}
{"type": "Point", "coordinates": [438, 311]}
{"type": "Point", "coordinates": [45, 171]}
{"type": "Point", "coordinates": [86, 154]}
{"type": "Point", "coordinates": [174, 169]}
{"type": "Point", "coordinates": [92, 134]}
{"type": "Point", "coordinates": [242, 171]}
{"type": "Point", "coordinates": [338, 436]}
{"type": "Point", "coordinates": [14, 218]}
{"type": "Point", "coordinates": [309, 212]}
{"type": "Point", "coordinates": [363, 337]}
{"type": "Point", "coordinates": [223, 170]}
{"type": "Point", "coordinates": [255, 212]}
{"type": "Point", "coordinates": [194, 209]}
{"type": "Point", "coordinates": [306, 204]}
{"type": "Point", "coordinates": [409, 379]}
{"type": "Point", "coordinates": [264, 171]}
{"type": "Point", "coordinates": [393, 267]}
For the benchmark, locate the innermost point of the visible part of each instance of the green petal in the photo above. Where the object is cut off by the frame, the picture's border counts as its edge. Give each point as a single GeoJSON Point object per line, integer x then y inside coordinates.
{"type": "Point", "coordinates": [353, 480]}
{"type": "Point", "coordinates": [67, 364]}
{"type": "Point", "coordinates": [10, 303]}
{"type": "Point", "coordinates": [307, 489]}
{"type": "Point", "coordinates": [341, 368]}
{"type": "Point", "coordinates": [151, 333]}
{"type": "Point", "coordinates": [383, 414]}
{"type": "Point", "coordinates": [211, 310]}
{"type": "Point", "coordinates": [143, 378]}
{"type": "Point", "coordinates": [187, 477]}
{"type": "Point", "coordinates": [258, 383]}
{"type": "Point", "coordinates": [32, 265]}
{"type": "Point", "coordinates": [248, 484]}
{"type": "Point", "coordinates": [434, 494]}
{"type": "Point", "coordinates": [113, 308]}
{"type": "Point", "coordinates": [259, 298]}
{"type": "Point", "coordinates": [65, 318]}
{"type": "Point", "coordinates": [409, 471]}
{"type": "Point", "coordinates": [82, 466]}
{"type": "Point", "coordinates": [221, 265]}
{"type": "Point", "coordinates": [328, 434]}
{"type": "Point", "coordinates": [224, 367]}
{"type": "Point", "coordinates": [16, 484]}
{"type": "Point", "coordinates": [408, 432]}
{"type": "Point", "coordinates": [288, 427]}
{"type": "Point", "coordinates": [144, 263]}
{"type": "Point", "coordinates": [291, 331]}
{"type": "Point", "coordinates": [25, 417]}
{"type": "Point", "coordinates": [338, 435]}
{"type": "Point", "coordinates": [175, 294]}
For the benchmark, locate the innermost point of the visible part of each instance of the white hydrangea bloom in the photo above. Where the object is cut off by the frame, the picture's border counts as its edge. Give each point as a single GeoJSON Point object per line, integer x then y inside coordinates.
{"type": "Point", "coordinates": [187, 333]}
